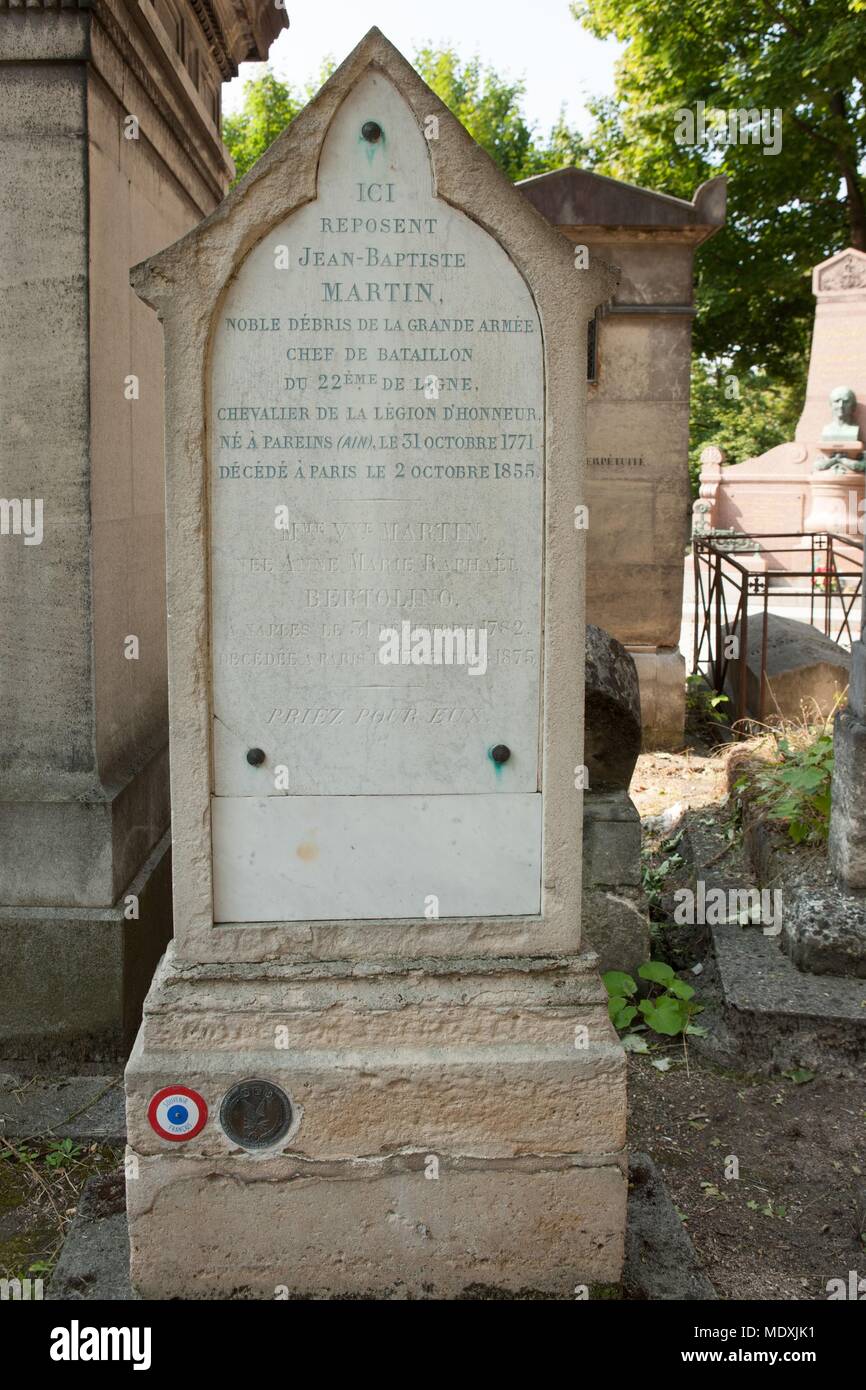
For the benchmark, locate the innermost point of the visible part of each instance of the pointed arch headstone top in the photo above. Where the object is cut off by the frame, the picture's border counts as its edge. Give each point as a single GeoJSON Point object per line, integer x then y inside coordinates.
{"type": "Point", "coordinates": [286, 177]}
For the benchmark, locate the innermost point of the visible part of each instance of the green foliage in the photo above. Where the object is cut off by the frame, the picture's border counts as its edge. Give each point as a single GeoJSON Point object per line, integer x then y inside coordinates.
{"type": "Point", "coordinates": [23, 1154]}
{"type": "Point", "coordinates": [269, 106]}
{"type": "Point", "coordinates": [795, 790]}
{"type": "Point", "coordinates": [62, 1152]}
{"type": "Point", "coordinates": [489, 106]}
{"type": "Point", "coordinates": [744, 415]}
{"type": "Point", "coordinates": [654, 875]}
{"type": "Point", "coordinates": [667, 1009]}
{"type": "Point", "coordinates": [786, 210]}
{"type": "Point", "coordinates": [705, 708]}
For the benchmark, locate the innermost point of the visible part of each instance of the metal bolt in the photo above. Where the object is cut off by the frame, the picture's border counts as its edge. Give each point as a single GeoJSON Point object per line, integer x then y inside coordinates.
{"type": "Point", "coordinates": [255, 756]}
{"type": "Point", "coordinates": [501, 753]}
{"type": "Point", "coordinates": [371, 131]}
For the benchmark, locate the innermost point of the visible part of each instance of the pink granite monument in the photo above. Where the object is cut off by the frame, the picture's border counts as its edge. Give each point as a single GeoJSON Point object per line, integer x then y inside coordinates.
{"type": "Point", "coordinates": [815, 482]}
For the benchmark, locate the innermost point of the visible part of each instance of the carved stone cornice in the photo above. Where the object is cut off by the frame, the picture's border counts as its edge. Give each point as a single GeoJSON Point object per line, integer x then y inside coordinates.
{"type": "Point", "coordinates": [246, 28]}
{"type": "Point", "coordinates": [842, 274]}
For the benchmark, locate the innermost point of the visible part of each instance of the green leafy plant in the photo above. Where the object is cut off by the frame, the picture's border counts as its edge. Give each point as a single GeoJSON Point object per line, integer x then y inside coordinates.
{"type": "Point", "coordinates": [667, 1009]}
{"type": "Point", "coordinates": [655, 875]}
{"type": "Point", "coordinates": [23, 1154]}
{"type": "Point", "coordinates": [704, 707]}
{"type": "Point", "coordinates": [795, 789]}
{"type": "Point", "coordinates": [62, 1152]}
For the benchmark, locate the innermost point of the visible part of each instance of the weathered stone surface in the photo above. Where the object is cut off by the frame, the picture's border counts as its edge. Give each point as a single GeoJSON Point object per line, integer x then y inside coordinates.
{"type": "Point", "coordinates": [611, 710]}
{"type": "Point", "coordinates": [508, 1075]}
{"type": "Point", "coordinates": [804, 670]}
{"type": "Point", "coordinates": [617, 927]}
{"type": "Point", "coordinates": [78, 1107]}
{"type": "Point", "coordinates": [611, 827]}
{"type": "Point", "coordinates": [660, 1260]}
{"type": "Point", "coordinates": [94, 1262]}
{"type": "Point", "coordinates": [848, 810]}
{"type": "Point", "coordinates": [782, 1017]}
{"type": "Point", "coordinates": [613, 901]}
{"type": "Point", "coordinates": [825, 932]}
{"type": "Point", "coordinates": [377, 1227]}
{"type": "Point", "coordinates": [72, 980]}
{"type": "Point", "coordinates": [83, 759]}
{"type": "Point", "coordinates": [662, 676]}
{"type": "Point", "coordinates": [476, 1035]}
{"type": "Point", "coordinates": [638, 416]}
{"type": "Point", "coordinates": [467, 1061]}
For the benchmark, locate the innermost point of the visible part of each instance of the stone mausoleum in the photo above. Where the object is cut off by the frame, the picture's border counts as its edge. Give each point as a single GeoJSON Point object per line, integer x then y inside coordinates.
{"type": "Point", "coordinates": [638, 416]}
{"type": "Point", "coordinates": [110, 116]}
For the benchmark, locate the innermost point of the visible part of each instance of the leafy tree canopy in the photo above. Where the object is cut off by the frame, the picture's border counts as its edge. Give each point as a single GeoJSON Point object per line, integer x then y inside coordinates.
{"type": "Point", "coordinates": [786, 211]}
{"type": "Point", "coordinates": [488, 105]}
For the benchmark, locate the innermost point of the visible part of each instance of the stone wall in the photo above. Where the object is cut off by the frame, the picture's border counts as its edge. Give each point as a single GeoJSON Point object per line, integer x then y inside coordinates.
{"type": "Point", "coordinates": [112, 151]}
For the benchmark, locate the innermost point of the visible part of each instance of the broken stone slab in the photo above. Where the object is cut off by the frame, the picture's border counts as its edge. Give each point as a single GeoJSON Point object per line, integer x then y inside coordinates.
{"type": "Point", "coordinates": [771, 1017]}
{"type": "Point", "coordinates": [782, 1018]}
{"type": "Point", "coordinates": [614, 904]}
{"type": "Point", "coordinates": [94, 1261]}
{"type": "Point", "coordinates": [612, 712]}
{"type": "Point", "coordinates": [803, 669]}
{"type": "Point", "coordinates": [824, 931]}
{"type": "Point", "coordinates": [660, 1260]}
{"type": "Point", "coordinates": [74, 1107]}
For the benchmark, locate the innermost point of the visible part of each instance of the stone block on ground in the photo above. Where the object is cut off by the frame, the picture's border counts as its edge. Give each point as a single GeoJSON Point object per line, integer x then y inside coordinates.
{"type": "Point", "coordinates": [94, 1261]}
{"type": "Point", "coordinates": [804, 670]}
{"type": "Point", "coordinates": [848, 810]}
{"type": "Point", "coordinates": [614, 906]}
{"type": "Point", "coordinates": [660, 1260]}
{"type": "Point", "coordinates": [824, 931]}
{"type": "Point", "coordinates": [73, 1107]}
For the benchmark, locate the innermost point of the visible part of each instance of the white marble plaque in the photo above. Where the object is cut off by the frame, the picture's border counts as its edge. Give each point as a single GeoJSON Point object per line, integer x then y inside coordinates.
{"type": "Point", "coordinates": [377, 431]}
{"type": "Point", "coordinates": [300, 858]}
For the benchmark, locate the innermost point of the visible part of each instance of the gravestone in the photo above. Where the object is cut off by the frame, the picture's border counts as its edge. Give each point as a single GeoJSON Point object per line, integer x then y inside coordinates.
{"type": "Point", "coordinates": [375, 1058]}
{"type": "Point", "coordinates": [614, 903]}
{"type": "Point", "coordinates": [804, 671]}
{"type": "Point", "coordinates": [838, 353]}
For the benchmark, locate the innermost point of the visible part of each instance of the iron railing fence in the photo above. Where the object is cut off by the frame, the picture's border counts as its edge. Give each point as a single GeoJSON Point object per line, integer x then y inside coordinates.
{"type": "Point", "coordinates": [725, 587]}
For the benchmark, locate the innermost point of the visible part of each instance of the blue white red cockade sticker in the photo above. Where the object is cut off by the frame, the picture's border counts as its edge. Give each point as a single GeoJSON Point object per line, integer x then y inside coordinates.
{"type": "Point", "coordinates": [177, 1113]}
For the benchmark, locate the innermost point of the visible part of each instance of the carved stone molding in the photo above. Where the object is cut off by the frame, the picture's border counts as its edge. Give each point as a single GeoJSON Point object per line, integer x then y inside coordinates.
{"type": "Point", "coordinates": [844, 272]}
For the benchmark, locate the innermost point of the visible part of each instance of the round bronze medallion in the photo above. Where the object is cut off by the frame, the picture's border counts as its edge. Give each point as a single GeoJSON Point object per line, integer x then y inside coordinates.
{"type": "Point", "coordinates": [256, 1114]}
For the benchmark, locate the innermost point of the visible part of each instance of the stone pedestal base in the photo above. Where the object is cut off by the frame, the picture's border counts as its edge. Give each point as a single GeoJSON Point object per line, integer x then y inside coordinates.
{"type": "Point", "coordinates": [460, 1126]}
{"type": "Point", "coordinates": [661, 672]}
{"type": "Point", "coordinates": [73, 979]}
{"type": "Point", "coordinates": [835, 504]}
